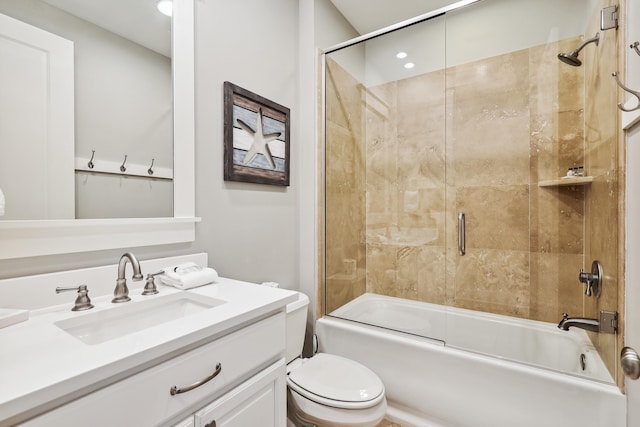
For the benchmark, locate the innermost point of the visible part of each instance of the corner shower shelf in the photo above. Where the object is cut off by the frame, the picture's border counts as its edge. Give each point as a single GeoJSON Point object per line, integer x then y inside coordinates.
{"type": "Point", "coordinates": [564, 182]}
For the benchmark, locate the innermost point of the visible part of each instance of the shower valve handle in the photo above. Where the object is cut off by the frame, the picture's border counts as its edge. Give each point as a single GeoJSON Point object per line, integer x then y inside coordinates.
{"type": "Point", "coordinates": [587, 279]}
{"type": "Point", "coordinates": [593, 280]}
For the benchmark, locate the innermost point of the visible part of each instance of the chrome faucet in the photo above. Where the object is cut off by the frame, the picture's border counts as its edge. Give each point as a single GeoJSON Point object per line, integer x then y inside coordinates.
{"type": "Point", "coordinates": [579, 322]}
{"type": "Point", "coordinates": [121, 293]}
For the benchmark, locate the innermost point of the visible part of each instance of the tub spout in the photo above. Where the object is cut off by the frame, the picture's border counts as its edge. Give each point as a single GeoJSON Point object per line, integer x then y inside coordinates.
{"type": "Point", "coordinates": [579, 322]}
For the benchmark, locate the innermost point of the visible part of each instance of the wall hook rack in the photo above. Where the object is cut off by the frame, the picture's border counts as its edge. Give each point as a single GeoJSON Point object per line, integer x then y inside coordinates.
{"type": "Point", "coordinates": [631, 91]}
{"type": "Point", "coordinates": [90, 165]}
{"type": "Point", "coordinates": [634, 46]}
{"type": "Point", "coordinates": [120, 168]}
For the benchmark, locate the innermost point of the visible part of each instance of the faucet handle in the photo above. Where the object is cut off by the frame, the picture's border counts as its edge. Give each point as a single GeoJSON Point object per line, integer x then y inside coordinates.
{"type": "Point", "coordinates": [150, 285]}
{"type": "Point", "coordinates": [565, 316]}
{"type": "Point", "coordinates": [82, 300]}
{"type": "Point", "coordinates": [587, 279]}
{"type": "Point", "coordinates": [593, 280]}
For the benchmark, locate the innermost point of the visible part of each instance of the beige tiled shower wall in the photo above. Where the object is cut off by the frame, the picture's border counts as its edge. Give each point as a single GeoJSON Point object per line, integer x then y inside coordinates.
{"type": "Point", "coordinates": [476, 138]}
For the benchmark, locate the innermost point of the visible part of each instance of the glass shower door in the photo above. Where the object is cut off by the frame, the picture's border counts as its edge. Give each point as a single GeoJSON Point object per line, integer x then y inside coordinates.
{"type": "Point", "coordinates": [386, 164]}
{"type": "Point", "coordinates": [472, 113]}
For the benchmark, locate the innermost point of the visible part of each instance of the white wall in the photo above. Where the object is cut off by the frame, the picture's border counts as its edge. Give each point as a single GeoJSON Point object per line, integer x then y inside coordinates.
{"type": "Point", "coordinates": [479, 31]}
{"type": "Point", "coordinates": [249, 230]}
{"type": "Point", "coordinates": [497, 27]}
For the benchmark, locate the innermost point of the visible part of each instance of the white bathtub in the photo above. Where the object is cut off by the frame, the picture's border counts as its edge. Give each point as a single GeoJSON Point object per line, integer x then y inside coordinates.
{"type": "Point", "coordinates": [493, 371]}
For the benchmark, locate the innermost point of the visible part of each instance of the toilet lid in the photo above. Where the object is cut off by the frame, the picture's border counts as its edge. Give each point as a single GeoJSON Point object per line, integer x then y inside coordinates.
{"type": "Point", "coordinates": [335, 381]}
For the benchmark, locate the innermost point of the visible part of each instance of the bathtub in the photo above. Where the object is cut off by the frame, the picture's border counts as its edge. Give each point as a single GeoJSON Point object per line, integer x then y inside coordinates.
{"type": "Point", "coordinates": [476, 369]}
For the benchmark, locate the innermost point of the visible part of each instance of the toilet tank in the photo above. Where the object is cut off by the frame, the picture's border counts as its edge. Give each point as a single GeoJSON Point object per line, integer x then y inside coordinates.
{"type": "Point", "coordinates": [296, 326]}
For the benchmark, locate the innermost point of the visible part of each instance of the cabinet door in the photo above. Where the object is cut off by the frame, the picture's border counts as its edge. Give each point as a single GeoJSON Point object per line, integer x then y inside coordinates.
{"type": "Point", "coordinates": [189, 422]}
{"type": "Point", "coordinates": [260, 401]}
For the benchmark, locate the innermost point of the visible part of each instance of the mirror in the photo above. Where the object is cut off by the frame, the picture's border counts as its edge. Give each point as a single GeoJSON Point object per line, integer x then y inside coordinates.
{"type": "Point", "coordinates": [34, 237]}
{"type": "Point", "coordinates": [112, 72]}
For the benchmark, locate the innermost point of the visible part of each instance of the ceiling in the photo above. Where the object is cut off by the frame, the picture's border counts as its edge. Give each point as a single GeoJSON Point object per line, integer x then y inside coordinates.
{"type": "Point", "coordinates": [369, 15]}
{"type": "Point", "coordinates": [364, 15]}
{"type": "Point", "coordinates": [136, 20]}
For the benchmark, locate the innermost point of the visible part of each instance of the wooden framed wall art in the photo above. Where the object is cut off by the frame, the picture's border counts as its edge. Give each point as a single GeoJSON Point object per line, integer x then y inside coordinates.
{"type": "Point", "coordinates": [256, 138]}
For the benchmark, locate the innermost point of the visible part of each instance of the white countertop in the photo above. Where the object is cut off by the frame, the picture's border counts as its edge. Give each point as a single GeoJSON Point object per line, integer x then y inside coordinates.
{"type": "Point", "coordinates": [42, 366]}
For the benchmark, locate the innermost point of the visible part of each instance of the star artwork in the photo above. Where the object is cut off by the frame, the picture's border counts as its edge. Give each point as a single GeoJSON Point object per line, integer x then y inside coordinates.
{"type": "Point", "coordinates": [256, 138]}
{"type": "Point", "coordinates": [260, 144]}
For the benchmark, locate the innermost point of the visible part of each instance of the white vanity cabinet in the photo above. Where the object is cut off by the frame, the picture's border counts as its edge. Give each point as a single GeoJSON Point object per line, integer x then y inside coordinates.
{"type": "Point", "coordinates": [249, 385]}
{"type": "Point", "coordinates": [185, 423]}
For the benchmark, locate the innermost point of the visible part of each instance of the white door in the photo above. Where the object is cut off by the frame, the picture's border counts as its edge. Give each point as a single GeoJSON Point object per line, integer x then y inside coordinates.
{"type": "Point", "coordinates": [632, 297]}
{"type": "Point", "coordinates": [36, 122]}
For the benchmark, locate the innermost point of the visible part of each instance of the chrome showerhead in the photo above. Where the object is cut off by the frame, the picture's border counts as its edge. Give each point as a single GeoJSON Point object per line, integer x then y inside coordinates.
{"type": "Point", "coordinates": [572, 57]}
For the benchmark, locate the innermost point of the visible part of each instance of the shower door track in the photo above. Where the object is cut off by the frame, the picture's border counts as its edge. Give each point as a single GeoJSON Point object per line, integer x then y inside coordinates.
{"type": "Point", "coordinates": [402, 24]}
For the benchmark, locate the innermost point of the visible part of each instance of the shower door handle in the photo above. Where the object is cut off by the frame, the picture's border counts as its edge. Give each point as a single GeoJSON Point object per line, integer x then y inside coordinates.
{"type": "Point", "coordinates": [462, 234]}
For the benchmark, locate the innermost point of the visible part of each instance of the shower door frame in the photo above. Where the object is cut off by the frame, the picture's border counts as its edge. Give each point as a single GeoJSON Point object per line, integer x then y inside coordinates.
{"type": "Point", "coordinates": [323, 75]}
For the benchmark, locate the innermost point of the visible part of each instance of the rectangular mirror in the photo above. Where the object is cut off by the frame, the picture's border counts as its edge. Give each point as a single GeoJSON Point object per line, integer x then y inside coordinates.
{"type": "Point", "coordinates": [33, 236]}
{"type": "Point", "coordinates": [86, 77]}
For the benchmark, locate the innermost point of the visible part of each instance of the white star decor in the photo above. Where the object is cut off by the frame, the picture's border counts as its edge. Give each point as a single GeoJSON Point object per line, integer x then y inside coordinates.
{"type": "Point", "coordinates": [260, 143]}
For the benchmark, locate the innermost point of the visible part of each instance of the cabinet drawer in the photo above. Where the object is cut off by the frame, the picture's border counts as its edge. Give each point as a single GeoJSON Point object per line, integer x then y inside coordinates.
{"type": "Point", "coordinates": [187, 422]}
{"type": "Point", "coordinates": [144, 399]}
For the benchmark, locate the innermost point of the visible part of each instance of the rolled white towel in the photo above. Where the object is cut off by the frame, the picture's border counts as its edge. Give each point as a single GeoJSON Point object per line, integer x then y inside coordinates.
{"type": "Point", "coordinates": [186, 276]}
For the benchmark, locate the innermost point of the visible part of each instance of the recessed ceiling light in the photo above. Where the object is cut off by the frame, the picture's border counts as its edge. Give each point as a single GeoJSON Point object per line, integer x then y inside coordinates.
{"type": "Point", "coordinates": [401, 55]}
{"type": "Point", "coordinates": [165, 7]}
{"type": "Point", "coordinates": [409, 65]}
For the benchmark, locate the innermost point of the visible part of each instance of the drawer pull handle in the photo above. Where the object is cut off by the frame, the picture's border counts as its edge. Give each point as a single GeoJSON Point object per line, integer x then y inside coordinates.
{"type": "Point", "coordinates": [175, 390]}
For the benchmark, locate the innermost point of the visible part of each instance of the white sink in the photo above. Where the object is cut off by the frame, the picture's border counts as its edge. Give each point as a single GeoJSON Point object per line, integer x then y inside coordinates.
{"type": "Point", "coordinates": [105, 325]}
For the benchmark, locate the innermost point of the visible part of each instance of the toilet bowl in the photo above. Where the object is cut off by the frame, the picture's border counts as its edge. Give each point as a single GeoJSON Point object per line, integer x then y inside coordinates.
{"type": "Point", "coordinates": [327, 390]}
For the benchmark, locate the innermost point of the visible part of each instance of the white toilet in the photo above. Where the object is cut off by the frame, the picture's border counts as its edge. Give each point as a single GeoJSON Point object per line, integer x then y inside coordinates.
{"type": "Point", "coordinates": [327, 390]}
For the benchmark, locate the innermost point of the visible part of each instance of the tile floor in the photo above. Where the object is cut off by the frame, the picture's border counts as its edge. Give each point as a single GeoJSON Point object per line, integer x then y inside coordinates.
{"type": "Point", "coordinates": [387, 423]}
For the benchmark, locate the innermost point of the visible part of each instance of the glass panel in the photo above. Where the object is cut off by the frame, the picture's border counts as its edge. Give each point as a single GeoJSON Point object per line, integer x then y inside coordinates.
{"type": "Point", "coordinates": [385, 171]}
{"type": "Point", "coordinates": [519, 121]}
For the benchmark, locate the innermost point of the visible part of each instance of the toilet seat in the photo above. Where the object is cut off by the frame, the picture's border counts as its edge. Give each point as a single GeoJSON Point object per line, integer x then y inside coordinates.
{"type": "Point", "coordinates": [336, 382]}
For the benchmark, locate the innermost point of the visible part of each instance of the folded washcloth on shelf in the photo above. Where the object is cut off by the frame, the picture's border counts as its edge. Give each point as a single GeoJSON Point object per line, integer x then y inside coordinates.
{"type": "Point", "coordinates": [186, 276]}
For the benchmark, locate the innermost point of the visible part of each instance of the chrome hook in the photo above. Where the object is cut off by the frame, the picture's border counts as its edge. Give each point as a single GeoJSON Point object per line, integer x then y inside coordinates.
{"type": "Point", "coordinates": [90, 165]}
{"type": "Point", "coordinates": [122, 167]}
{"type": "Point", "coordinates": [634, 46]}
{"type": "Point", "coordinates": [150, 170]}
{"type": "Point", "coordinates": [626, 89]}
